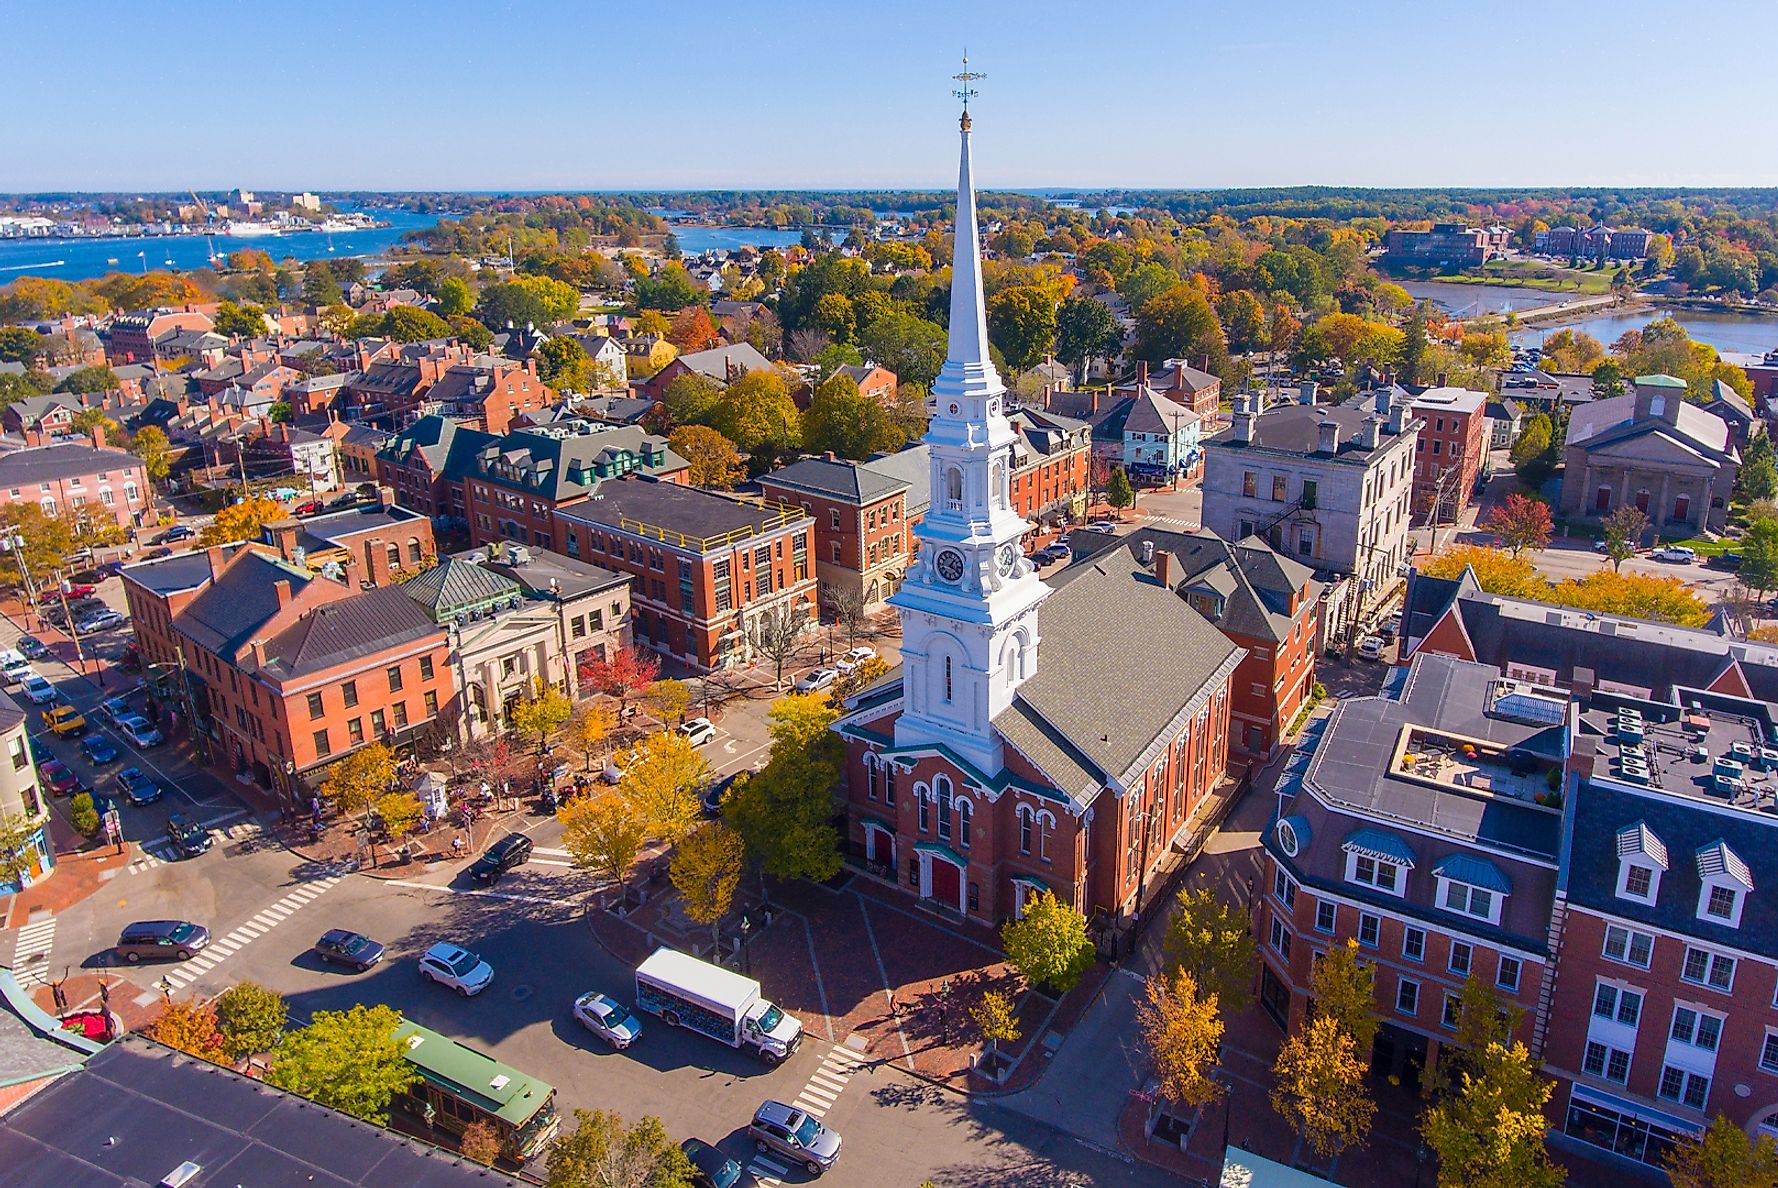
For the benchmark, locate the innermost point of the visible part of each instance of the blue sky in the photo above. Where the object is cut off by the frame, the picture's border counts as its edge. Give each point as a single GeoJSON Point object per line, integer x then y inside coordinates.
{"type": "Point", "coordinates": [469, 94]}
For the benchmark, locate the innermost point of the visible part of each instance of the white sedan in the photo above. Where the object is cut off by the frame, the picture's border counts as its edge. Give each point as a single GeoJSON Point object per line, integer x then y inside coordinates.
{"type": "Point", "coordinates": [816, 680]}
{"type": "Point", "coordinates": [698, 731]}
{"type": "Point", "coordinates": [1372, 647]}
{"type": "Point", "coordinates": [38, 690]}
{"type": "Point", "coordinates": [15, 668]}
{"type": "Point", "coordinates": [608, 1019]}
{"type": "Point", "coordinates": [854, 658]}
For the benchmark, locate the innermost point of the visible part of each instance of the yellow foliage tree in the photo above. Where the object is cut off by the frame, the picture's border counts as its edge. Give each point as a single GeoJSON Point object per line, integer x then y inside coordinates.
{"type": "Point", "coordinates": [1490, 1132]}
{"type": "Point", "coordinates": [1320, 1087]}
{"type": "Point", "coordinates": [603, 833]}
{"type": "Point", "coordinates": [543, 713]}
{"type": "Point", "coordinates": [1498, 572]}
{"type": "Point", "coordinates": [663, 781]}
{"type": "Point", "coordinates": [355, 782]}
{"type": "Point", "coordinates": [706, 869]}
{"type": "Point", "coordinates": [1639, 595]}
{"type": "Point", "coordinates": [1182, 1030]}
{"type": "Point", "coordinates": [241, 521]}
{"type": "Point", "coordinates": [591, 725]}
{"type": "Point", "coordinates": [190, 1027]}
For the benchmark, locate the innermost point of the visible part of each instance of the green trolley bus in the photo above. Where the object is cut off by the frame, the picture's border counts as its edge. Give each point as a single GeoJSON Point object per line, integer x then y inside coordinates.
{"type": "Point", "coordinates": [459, 1085]}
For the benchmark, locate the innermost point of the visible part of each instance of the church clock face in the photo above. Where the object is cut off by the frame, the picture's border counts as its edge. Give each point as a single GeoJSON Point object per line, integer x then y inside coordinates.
{"type": "Point", "coordinates": [1007, 558]}
{"type": "Point", "coordinates": [949, 564]}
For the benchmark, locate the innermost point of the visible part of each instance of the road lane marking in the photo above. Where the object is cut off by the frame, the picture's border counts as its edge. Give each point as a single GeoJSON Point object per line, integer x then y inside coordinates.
{"type": "Point", "coordinates": [447, 890]}
{"type": "Point", "coordinates": [30, 951]}
{"type": "Point", "coordinates": [215, 956]}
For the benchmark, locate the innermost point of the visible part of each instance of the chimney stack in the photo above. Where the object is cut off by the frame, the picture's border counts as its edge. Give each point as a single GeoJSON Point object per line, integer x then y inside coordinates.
{"type": "Point", "coordinates": [1243, 421]}
{"type": "Point", "coordinates": [1370, 434]}
{"type": "Point", "coordinates": [99, 437]}
{"type": "Point", "coordinates": [1441, 377]}
{"type": "Point", "coordinates": [1306, 392]}
{"type": "Point", "coordinates": [281, 587]}
{"type": "Point", "coordinates": [1398, 418]}
{"type": "Point", "coordinates": [1383, 401]}
{"type": "Point", "coordinates": [1163, 568]}
{"type": "Point", "coordinates": [1328, 437]}
{"type": "Point", "coordinates": [1142, 371]}
{"type": "Point", "coordinates": [217, 560]}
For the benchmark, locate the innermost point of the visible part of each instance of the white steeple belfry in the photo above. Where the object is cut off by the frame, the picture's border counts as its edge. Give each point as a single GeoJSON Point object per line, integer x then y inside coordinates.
{"type": "Point", "coordinates": [969, 605]}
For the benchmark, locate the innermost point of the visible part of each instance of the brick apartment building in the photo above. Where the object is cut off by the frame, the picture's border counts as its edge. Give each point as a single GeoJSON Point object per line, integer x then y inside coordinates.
{"type": "Point", "coordinates": [1415, 830]}
{"type": "Point", "coordinates": [861, 525]}
{"type": "Point", "coordinates": [1262, 601]}
{"type": "Point", "coordinates": [703, 565]}
{"type": "Point", "coordinates": [1180, 382]}
{"type": "Point", "coordinates": [1452, 449]}
{"type": "Point", "coordinates": [132, 337]}
{"type": "Point", "coordinates": [874, 381]}
{"type": "Point", "coordinates": [486, 391]}
{"type": "Point", "coordinates": [513, 487]}
{"type": "Point", "coordinates": [425, 464]}
{"type": "Point", "coordinates": [78, 479]}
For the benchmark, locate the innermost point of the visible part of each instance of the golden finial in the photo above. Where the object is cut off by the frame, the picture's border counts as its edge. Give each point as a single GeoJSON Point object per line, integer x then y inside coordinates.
{"type": "Point", "coordinates": [966, 92]}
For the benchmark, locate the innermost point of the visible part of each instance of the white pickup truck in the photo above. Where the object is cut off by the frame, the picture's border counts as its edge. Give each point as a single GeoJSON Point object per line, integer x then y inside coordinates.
{"type": "Point", "coordinates": [682, 991]}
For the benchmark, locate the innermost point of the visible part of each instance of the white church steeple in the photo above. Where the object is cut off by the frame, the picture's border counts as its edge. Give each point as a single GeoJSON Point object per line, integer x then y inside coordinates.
{"type": "Point", "coordinates": [969, 605]}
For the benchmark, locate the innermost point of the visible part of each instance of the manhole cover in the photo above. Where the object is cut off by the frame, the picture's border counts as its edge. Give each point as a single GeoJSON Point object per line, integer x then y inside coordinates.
{"type": "Point", "coordinates": [521, 993]}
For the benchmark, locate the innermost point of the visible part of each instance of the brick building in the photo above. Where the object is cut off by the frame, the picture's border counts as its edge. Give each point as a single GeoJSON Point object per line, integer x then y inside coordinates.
{"type": "Point", "coordinates": [704, 565]}
{"type": "Point", "coordinates": [425, 464]}
{"type": "Point", "coordinates": [861, 525]}
{"type": "Point", "coordinates": [1451, 450]}
{"type": "Point", "coordinates": [485, 391]}
{"type": "Point", "coordinates": [513, 487]}
{"type": "Point", "coordinates": [132, 337]}
{"type": "Point", "coordinates": [71, 479]}
{"type": "Point", "coordinates": [874, 381]}
{"type": "Point", "coordinates": [1415, 829]}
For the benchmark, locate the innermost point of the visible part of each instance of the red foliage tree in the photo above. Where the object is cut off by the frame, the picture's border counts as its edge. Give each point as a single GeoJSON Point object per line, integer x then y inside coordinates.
{"type": "Point", "coordinates": [693, 330]}
{"type": "Point", "coordinates": [626, 673]}
{"type": "Point", "coordinates": [1521, 523]}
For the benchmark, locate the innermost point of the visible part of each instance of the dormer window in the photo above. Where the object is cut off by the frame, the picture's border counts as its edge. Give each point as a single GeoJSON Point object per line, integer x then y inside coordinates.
{"type": "Point", "coordinates": [1642, 859]}
{"type": "Point", "coordinates": [1471, 887]}
{"type": "Point", "coordinates": [1378, 859]}
{"type": "Point", "coordinates": [1725, 884]}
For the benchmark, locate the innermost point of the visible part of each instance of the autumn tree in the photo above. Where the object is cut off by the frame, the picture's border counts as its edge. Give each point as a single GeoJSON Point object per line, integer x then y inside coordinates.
{"type": "Point", "coordinates": [346, 1060]}
{"type": "Point", "coordinates": [18, 846]}
{"type": "Point", "coordinates": [1344, 989]}
{"type": "Point", "coordinates": [862, 674]}
{"type": "Point", "coordinates": [851, 425]}
{"type": "Point", "coordinates": [189, 1027]}
{"type": "Point", "coordinates": [1520, 523]}
{"type": "Point", "coordinates": [1625, 529]}
{"type": "Point", "coordinates": [706, 870]}
{"type": "Point", "coordinates": [1182, 1030]}
{"type": "Point", "coordinates": [775, 635]}
{"type": "Point", "coordinates": [756, 412]}
{"type": "Point", "coordinates": [692, 330]}
{"type": "Point", "coordinates": [479, 1143]}
{"type": "Point", "coordinates": [591, 725]}
{"type": "Point", "coordinates": [784, 812]}
{"type": "Point", "coordinates": [663, 782]}
{"type": "Point", "coordinates": [601, 1152]}
{"type": "Point", "coordinates": [1319, 1087]}
{"type": "Point", "coordinates": [1179, 324]}
{"type": "Point", "coordinates": [624, 674]}
{"type": "Point", "coordinates": [1213, 942]}
{"type": "Point", "coordinates": [401, 814]}
{"type": "Point", "coordinates": [543, 713]}
{"type": "Point", "coordinates": [1497, 572]}
{"type": "Point", "coordinates": [667, 700]}
{"type": "Point", "coordinates": [996, 1021]}
{"type": "Point", "coordinates": [34, 544]}
{"type": "Point", "coordinates": [355, 783]}
{"type": "Point", "coordinates": [1724, 1156]}
{"type": "Point", "coordinates": [1049, 943]}
{"type": "Point", "coordinates": [1532, 454]}
{"type": "Point", "coordinates": [250, 1019]}
{"type": "Point", "coordinates": [1636, 595]}
{"type": "Point", "coordinates": [713, 459]}
{"type": "Point", "coordinates": [1489, 1133]}
{"type": "Point", "coordinates": [603, 833]}
{"type": "Point", "coordinates": [151, 446]}
{"type": "Point", "coordinates": [1483, 1019]}
{"type": "Point", "coordinates": [245, 520]}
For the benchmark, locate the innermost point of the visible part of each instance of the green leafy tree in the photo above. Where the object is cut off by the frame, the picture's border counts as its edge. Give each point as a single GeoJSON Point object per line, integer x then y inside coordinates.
{"type": "Point", "coordinates": [1759, 555]}
{"type": "Point", "coordinates": [1086, 329]}
{"type": "Point", "coordinates": [279, 413]}
{"type": "Point", "coordinates": [1758, 476]}
{"type": "Point", "coordinates": [756, 412]}
{"type": "Point", "coordinates": [689, 399]}
{"type": "Point", "coordinates": [1490, 1132]}
{"type": "Point", "coordinates": [1624, 531]}
{"type": "Point", "coordinates": [563, 363]}
{"type": "Point", "coordinates": [82, 815]}
{"type": "Point", "coordinates": [1049, 943]}
{"type": "Point", "coordinates": [1213, 942]}
{"type": "Point", "coordinates": [18, 844]}
{"type": "Point", "coordinates": [18, 387]}
{"type": "Point", "coordinates": [784, 812]}
{"type": "Point", "coordinates": [1118, 491]}
{"type": "Point", "coordinates": [601, 1152]}
{"type": "Point", "coordinates": [527, 300]}
{"type": "Point", "coordinates": [852, 425]}
{"type": "Point", "coordinates": [671, 289]}
{"type": "Point", "coordinates": [1413, 347]}
{"type": "Point", "coordinates": [319, 286]}
{"type": "Point", "coordinates": [20, 344]}
{"type": "Point", "coordinates": [238, 321]}
{"type": "Point", "coordinates": [996, 1020]}
{"type": "Point", "coordinates": [346, 1060]}
{"type": "Point", "coordinates": [409, 323]}
{"type": "Point", "coordinates": [90, 379]}
{"type": "Point", "coordinates": [1608, 379]}
{"type": "Point", "coordinates": [1724, 1156]}
{"type": "Point", "coordinates": [907, 344]}
{"type": "Point", "coordinates": [250, 1019]}
{"type": "Point", "coordinates": [454, 298]}
{"type": "Point", "coordinates": [1022, 323]}
{"type": "Point", "coordinates": [471, 333]}
{"type": "Point", "coordinates": [1179, 324]}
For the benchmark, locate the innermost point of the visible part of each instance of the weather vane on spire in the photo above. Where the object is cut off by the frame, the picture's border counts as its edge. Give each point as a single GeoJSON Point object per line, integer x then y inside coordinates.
{"type": "Point", "coordinates": [966, 92]}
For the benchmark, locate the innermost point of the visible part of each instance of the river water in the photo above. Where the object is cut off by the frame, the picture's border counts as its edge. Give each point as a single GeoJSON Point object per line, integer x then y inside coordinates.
{"type": "Point", "coordinates": [695, 239]}
{"type": "Point", "coordinates": [1474, 300]}
{"type": "Point", "coordinates": [84, 259]}
{"type": "Point", "coordinates": [1751, 333]}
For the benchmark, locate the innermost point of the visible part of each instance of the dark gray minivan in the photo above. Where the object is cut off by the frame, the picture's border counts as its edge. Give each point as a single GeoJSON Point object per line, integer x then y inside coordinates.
{"type": "Point", "coordinates": [162, 940]}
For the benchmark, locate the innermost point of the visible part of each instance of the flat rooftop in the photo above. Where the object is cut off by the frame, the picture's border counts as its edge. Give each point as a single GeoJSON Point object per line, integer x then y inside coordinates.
{"type": "Point", "coordinates": [1702, 753]}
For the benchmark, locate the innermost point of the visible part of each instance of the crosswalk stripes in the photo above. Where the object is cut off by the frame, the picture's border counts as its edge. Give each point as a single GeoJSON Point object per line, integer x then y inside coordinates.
{"type": "Point", "coordinates": [224, 947]}
{"type": "Point", "coordinates": [552, 857]}
{"type": "Point", "coordinates": [30, 951]}
{"type": "Point", "coordinates": [1173, 521]}
{"type": "Point", "coordinates": [817, 1097]}
{"type": "Point", "coordinates": [159, 851]}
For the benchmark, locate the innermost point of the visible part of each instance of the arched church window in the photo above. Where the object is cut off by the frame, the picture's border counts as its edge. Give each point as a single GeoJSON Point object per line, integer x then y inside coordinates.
{"type": "Point", "coordinates": [965, 810]}
{"type": "Point", "coordinates": [941, 788]}
{"type": "Point", "coordinates": [954, 489]}
{"type": "Point", "coordinates": [947, 678]}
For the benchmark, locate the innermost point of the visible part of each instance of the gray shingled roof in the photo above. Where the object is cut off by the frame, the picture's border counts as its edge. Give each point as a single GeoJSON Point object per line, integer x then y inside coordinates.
{"type": "Point", "coordinates": [912, 466]}
{"type": "Point", "coordinates": [851, 481]}
{"type": "Point", "coordinates": [225, 616]}
{"type": "Point", "coordinates": [181, 571]}
{"type": "Point", "coordinates": [350, 629]}
{"type": "Point", "coordinates": [47, 463]}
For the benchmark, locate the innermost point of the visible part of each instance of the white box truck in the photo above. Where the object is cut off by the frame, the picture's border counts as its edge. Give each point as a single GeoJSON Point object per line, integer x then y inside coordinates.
{"type": "Point", "coordinates": [682, 991]}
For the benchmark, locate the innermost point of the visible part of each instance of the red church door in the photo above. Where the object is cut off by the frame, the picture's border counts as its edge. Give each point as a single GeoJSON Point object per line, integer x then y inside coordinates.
{"type": "Point", "coordinates": [947, 883]}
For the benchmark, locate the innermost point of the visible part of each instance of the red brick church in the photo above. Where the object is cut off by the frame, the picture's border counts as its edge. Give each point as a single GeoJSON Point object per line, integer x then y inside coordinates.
{"type": "Point", "coordinates": [1037, 736]}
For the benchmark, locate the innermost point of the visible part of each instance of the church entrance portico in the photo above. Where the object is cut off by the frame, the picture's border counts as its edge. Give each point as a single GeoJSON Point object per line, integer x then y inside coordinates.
{"type": "Point", "coordinates": [942, 876]}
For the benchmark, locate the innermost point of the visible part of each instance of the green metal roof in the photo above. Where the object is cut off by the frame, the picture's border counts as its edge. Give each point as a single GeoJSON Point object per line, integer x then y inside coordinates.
{"type": "Point", "coordinates": [1659, 381]}
{"type": "Point", "coordinates": [476, 1078]}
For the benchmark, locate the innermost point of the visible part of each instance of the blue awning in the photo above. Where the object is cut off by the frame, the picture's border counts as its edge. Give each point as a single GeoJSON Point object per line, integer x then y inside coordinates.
{"type": "Point", "coordinates": [1375, 843]}
{"type": "Point", "coordinates": [1477, 872]}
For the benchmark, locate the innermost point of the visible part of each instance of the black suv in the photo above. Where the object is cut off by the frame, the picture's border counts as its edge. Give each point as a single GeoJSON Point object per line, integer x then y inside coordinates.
{"type": "Point", "coordinates": [512, 850]}
{"type": "Point", "coordinates": [188, 837]}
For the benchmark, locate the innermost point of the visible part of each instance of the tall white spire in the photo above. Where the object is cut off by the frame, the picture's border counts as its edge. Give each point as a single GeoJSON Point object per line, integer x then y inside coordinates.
{"type": "Point", "coordinates": [969, 321]}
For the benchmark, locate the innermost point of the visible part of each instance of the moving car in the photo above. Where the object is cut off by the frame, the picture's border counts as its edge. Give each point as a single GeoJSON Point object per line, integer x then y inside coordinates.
{"type": "Point", "coordinates": [785, 1130]}
{"type": "Point", "coordinates": [853, 658]}
{"type": "Point", "coordinates": [1106, 526]}
{"type": "Point", "coordinates": [37, 690]}
{"type": "Point", "coordinates": [162, 940]}
{"type": "Point", "coordinates": [608, 1019]}
{"type": "Point", "coordinates": [63, 720]}
{"type": "Point", "coordinates": [99, 749]}
{"type": "Point", "coordinates": [816, 680]}
{"type": "Point", "coordinates": [710, 1168]}
{"type": "Point", "coordinates": [137, 788]}
{"type": "Point", "coordinates": [1676, 553]}
{"type": "Point", "coordinates": [188, 837]}
{"type": "Point", "coordinates": [1372, 647]}
{"type": "Point", "coordinates": [698, 731]}
{"type": "Point", "coordinates": [683, 991]}
{"type": "Point", "coordinates": [138, 730]}
{"type": "Point", "coordinates": [512, 850]}
{"type": "Point", "coordinates": [81, 591]}
{"type": "Point", "coordinates": [445, 964]}
{"type": "Point", "coordinates": [57, 777]}
{"type": "Point", "coordinates": [351, 949]}
{"type": "Point", "coordinates": [32, 647]}
{"type": "Point", "coordinates": [103, 621]}
{"type": "Point", "coordinates": [176, 533]}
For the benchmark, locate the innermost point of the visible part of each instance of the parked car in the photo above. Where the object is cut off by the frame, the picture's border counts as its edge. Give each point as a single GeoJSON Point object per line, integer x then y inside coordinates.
{"type": "Point", "coordinates": [103, 621]}
{"type": "Point", "coordinates": [81, 591]}
{"type": "Point", "coordinates": [137, 787]}
{"type": "Point", "coordinates": [38, 690]}
{"type": "Point", "coordinates": [112, 708]}
{"type": "Point", "coordinates": [445, 964]}
{"type": "Point", "coordinates": [139, 730]}
{"type": "Point", "coordinates": [188, 837]}
{"type": "Point", "coordinates": [1680, 553]}
{"type": "Point", "coordinates": [15, 668]}
{"type": "Point", "coordinates": [32, 647]}
{"type": "Point", "coordinates": [711, 797]}
{"type": "Point", "coordinates": [305, 509]}
{"type": "Point", "coordinates": [351, 949]}
{"type": "Point", "coordinates": [512, 850]}
{"type": "Point", "coordinates": [1391, 627]}
{"type": "Point", "coordinates": [785, 1130]}
{"type": "Point", "coordinates": [816, 680]}
{"type": "Point", "coordinates": [1372, 647]}
{"type": "Point", "coordinates": [710, 1168]}
{"type": "Point", "coordinates": [698, 731]}
{"type": "Point", "coordinates": [855, 657]}
{"type": "Point", "coordinates": [608, 1019]}
{"type": "Point", "coordinates": [1726, 560]}
{"type": "Point", "coordinates": [64, 720]}
{"type": "Point", "coordinates": [156, 554]}
{"type": "Point", "coordinates": [162, 940]}
{"type": "Point", "coordinates": [57, 777]}
{"type": "Point", "coordinates": [99, 749]}
{"type": "Point", "coordinates": [1106, 526]}
{"type": "Point", "coordinates": [176, 533]}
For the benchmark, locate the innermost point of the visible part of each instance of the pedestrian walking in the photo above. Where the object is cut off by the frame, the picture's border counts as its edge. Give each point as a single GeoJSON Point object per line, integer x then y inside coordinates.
{"type": "Point", "coordinates": [456, 847]}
